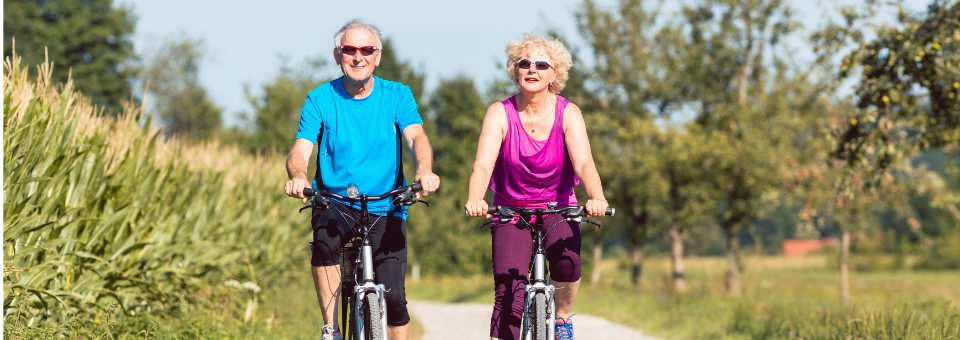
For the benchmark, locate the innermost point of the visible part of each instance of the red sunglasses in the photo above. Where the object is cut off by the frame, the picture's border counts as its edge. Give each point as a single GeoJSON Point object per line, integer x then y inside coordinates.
{"type": "Point", "coordinates": [364, 50]}
{"type": "Point", "coordinates": [541, 65]}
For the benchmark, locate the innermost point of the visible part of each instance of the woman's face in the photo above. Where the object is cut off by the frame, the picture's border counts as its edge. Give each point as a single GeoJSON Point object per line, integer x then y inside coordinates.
{"type": "Point", "coordinates": [533, 78]}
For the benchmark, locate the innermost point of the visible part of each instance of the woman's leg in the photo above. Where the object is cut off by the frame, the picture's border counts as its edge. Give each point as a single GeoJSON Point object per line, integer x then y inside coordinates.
{"type": "Point", "coordinates": [563, 254]}
{"type": "Point", "coordinates": [511, 258]}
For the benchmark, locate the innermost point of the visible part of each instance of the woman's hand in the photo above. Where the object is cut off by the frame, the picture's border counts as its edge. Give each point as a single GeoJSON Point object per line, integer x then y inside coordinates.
{"type": "Point", "coordinates": [597, 207]}
{"type": "Point", "coordinates": [476, 208]}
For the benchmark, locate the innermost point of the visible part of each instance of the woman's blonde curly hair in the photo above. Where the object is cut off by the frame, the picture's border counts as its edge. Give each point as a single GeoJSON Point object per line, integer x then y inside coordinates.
{"type": "Point", "coordinates": [559, 55]}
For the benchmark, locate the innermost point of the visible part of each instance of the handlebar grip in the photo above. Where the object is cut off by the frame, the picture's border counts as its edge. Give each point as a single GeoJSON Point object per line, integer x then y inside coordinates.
{"type": "Point", "coordinates": [610, 211]}
{"type": "Point", "coordinates": [491, 210]}
{"type": "Point", "coordinates": [309, 192]}
{"type": "Point", "coordinates": [416, 187]}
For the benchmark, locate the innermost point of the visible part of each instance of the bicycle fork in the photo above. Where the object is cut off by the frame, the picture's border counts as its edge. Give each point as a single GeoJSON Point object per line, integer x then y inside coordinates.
{"type": "Point", "coordinates": [361, 290]}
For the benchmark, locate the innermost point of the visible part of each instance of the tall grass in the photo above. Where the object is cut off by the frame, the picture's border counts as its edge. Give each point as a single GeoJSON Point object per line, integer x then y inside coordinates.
{"type": "Point", "coordinates": [100, 211]}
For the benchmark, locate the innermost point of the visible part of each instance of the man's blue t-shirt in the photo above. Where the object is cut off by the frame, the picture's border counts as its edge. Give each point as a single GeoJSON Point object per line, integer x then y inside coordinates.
{"type": "Point", "coordinates": [359, 143]}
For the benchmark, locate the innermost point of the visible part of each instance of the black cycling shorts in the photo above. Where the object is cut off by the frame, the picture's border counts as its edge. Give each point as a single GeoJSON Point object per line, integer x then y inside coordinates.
{"type": "Point", "coordinates": [333, 227]}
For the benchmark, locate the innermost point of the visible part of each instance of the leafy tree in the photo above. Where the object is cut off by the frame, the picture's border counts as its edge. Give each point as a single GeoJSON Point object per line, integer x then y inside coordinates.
{"type": "Point", "coordinates": [171, 75]}
{"type": "Point", "coordinates": [276, 110]}
{"type": "Point", "coordinates": [750, 94]}
{"type": "Point", "coordinates": [89, 41]}
{"type": "Point", "coordinates": [621, 90]}
{"type": "Point", "coordinates": [394, 69]}
{"type": "Point", "coordinates": [450, 242]}
{"type": "Point", "coordinates": [906, 97]}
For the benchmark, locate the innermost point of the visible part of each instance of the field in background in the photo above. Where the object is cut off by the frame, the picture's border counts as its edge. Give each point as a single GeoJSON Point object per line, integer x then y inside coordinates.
{"type": "Point", "coordinates": [783, 298]}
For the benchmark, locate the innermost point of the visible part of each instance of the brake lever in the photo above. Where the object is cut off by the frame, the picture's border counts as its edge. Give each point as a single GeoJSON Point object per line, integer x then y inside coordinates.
{"type": "Point", "coordinates": [409, 203]}
{"type": "Point", "coordinates": [486, 224]}
{"type": "Point", "coordinates": [320, 202]}
{"type": "Point", "coordinates": [591, 222]}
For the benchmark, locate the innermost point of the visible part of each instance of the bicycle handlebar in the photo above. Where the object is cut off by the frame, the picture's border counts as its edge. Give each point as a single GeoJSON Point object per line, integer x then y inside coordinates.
{"type": "Point", "coordinates": [576, 211]}
{"type": "Point", "coordinates": [416, 187]}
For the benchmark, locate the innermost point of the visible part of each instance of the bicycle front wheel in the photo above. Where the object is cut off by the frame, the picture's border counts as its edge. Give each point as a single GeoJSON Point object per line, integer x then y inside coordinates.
{"type": "Point", "coordinates": [372, 317]}
{"type": "Point", "coordinates": [539, 317]}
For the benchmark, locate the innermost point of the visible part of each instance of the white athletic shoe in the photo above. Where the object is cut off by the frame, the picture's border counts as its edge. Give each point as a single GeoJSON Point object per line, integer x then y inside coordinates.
{"type": "Point", "coordinates": [331, 332]}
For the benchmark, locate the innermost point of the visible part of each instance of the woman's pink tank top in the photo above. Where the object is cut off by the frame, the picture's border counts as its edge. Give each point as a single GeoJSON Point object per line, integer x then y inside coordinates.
{"type": "Point", "coordinates": [531, 173]}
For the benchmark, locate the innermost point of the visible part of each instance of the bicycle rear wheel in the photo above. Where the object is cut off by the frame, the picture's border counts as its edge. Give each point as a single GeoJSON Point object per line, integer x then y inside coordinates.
{"type": "Point", "coordinates": [372, 317]}
{"type": "Point", "coordinates": [539, 317]}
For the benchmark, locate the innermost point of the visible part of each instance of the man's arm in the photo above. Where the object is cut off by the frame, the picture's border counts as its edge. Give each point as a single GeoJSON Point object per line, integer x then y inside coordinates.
{"type": "Point", "coordinates": [297, 168]}
{"type": "Point", "coordinates": [423, 156]}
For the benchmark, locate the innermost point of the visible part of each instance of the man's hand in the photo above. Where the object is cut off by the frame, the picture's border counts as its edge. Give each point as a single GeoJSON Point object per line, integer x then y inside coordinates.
{"type": "Point", "coordinates": [294, 188]}
{"type": "Point", "coordinates": [429, 181]}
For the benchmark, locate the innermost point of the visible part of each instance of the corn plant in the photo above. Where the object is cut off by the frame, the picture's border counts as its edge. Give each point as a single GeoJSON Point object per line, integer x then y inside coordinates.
{"type": "Point", "coordinates": [102, 211]}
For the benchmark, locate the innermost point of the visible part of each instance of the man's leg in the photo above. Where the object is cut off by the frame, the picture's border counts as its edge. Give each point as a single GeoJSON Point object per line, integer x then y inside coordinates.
{"type": "Point", "coordinates": [398, 332]}
{"type": "Point", "coordinates": [328, 230]}
{"type": "Point", "coordinates": [389, 242]}
{"type": "Point", "coordinates": [326, 280]}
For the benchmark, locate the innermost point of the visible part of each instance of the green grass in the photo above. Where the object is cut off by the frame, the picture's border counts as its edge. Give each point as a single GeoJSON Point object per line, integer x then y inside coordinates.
{"type": "Point", "coordinates": [783, 298]}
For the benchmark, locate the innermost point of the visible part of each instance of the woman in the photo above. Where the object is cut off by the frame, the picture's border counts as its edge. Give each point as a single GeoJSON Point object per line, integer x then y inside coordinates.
{"type": "Point", "coordinates": [534, 146]}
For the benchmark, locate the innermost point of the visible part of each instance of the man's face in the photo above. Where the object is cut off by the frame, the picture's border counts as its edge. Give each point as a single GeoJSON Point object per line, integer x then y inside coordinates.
{"type": "Point", "coordinates": [358, 67]}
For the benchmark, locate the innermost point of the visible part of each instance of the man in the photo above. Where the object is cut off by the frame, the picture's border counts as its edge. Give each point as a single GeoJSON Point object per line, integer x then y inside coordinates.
{"type": "Point", "coordinates": [355, 120]}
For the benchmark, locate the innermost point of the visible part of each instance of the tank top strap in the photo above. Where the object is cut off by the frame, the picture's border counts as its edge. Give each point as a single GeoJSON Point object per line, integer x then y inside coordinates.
{"type": "Point", "coordinates": [561, 106]}
{"type": "Point", "coordinates": [510, 108]}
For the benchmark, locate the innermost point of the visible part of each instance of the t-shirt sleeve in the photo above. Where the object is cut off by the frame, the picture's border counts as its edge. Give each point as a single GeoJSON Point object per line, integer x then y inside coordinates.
{"type": "Point", "coordinates": [407, 110]}
{"type": "Point", "coordinates": [310, 120]}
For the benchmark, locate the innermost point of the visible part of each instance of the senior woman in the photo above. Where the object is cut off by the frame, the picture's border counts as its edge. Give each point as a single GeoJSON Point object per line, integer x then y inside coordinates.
{"type": "Point", "coordinates": [533, 149]}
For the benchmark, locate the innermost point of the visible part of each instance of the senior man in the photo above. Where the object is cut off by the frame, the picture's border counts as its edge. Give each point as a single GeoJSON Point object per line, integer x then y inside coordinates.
{"type": "Point", "coordinates": [354, 120]}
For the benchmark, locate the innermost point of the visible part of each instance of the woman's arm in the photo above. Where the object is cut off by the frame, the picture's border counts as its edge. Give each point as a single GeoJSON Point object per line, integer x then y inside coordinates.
{"type": "Point", "coordinates": [578, 145]}
{"type": "Point", "coordinates": [488, 148]}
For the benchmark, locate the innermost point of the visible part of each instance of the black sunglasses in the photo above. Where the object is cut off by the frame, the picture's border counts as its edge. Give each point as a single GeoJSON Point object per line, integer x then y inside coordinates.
{"type": "Point", "coordinates": [364, 50]}
{"type": "Point", "coordinates": [541, 65]}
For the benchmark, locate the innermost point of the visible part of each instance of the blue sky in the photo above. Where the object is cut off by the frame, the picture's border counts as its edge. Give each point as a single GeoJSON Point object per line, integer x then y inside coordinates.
{"type": "Point", "coordinates": [245, 38]}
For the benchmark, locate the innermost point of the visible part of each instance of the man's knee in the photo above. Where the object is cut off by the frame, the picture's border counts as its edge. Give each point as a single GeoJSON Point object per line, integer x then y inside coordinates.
{"type": "Point", "coordinates": [397, 314]}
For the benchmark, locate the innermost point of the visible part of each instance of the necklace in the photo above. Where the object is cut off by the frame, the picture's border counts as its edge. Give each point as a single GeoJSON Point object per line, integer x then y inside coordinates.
{"type": "Point", "coordinates": [533, 121]}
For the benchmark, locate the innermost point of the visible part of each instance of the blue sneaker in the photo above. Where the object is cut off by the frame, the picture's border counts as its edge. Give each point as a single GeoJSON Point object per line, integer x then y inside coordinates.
{"type": "Point", "coordinates": [564, 329]}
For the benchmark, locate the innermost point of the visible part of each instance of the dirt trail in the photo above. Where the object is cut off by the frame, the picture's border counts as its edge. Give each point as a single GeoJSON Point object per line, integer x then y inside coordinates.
{"type": "Point", "coordinates": [472, 321]}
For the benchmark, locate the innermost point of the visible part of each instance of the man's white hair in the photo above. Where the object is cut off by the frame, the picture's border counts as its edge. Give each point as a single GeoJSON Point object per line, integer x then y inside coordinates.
{"type": "Point", "coordinates": [357, 23]}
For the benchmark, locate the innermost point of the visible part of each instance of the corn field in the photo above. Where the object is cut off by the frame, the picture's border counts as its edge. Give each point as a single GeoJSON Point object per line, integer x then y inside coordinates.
{"type": "Point", "coordinates": [101, 212]}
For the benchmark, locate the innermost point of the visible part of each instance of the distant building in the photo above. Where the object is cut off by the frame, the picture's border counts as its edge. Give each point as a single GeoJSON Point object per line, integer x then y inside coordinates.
{"type": "Point", "coordinates": [797, 247]}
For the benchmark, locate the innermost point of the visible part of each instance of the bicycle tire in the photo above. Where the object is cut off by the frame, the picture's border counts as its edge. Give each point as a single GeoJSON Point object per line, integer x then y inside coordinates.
{"type": "Point", "coordinates": [539, 317]}
{"type": "Point", "coordinates": [372, 317]}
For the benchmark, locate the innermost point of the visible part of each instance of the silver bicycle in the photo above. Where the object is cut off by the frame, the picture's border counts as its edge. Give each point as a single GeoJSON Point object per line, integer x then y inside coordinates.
{"type": "Point", "coordinates": [361, 295]}
{"type": "Point", "coordinates": [539, 309]}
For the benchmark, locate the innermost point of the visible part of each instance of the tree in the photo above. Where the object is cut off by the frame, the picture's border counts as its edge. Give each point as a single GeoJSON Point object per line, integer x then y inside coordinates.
{"type": "Point", "coordinates": [625, 141]}
{"type": "Point", "coordinates": [742, 86]}
{"type": "Point", "coordinates": [394, 69]}
{"type": "Point", "coordinates": [276, 110]}
{"type": "Point", "coordinates": [450, 242]}
{"type": "Point", "coordinates": [171, 75]}
{"type": "Point", "coordinates": [89, 41]}
{"type": "Point", "coordinates": [907, 96]}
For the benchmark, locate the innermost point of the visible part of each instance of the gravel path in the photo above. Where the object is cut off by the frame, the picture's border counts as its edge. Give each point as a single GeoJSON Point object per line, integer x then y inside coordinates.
{"type": "Point", "coordinates": [472, 321]}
